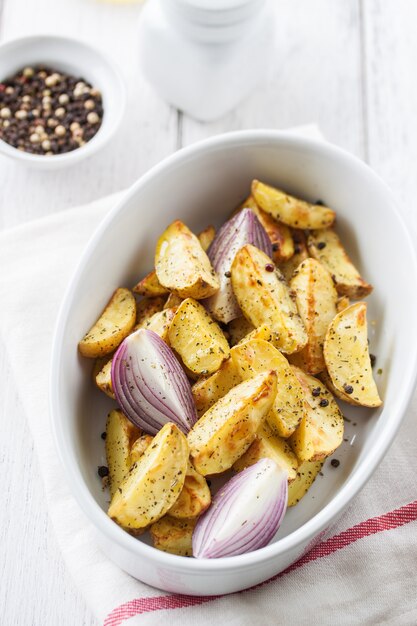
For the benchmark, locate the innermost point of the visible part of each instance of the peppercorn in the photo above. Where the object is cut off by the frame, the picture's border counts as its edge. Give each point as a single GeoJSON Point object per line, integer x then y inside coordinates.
{"type": "Point", "coordinates": [103, 471]}
{"type": "Point", "coordinates": [228, 274]}
{"type": "Point", "coordinates": [316, 392]}
{"type": "Point", "coordinates": [321, 245]}
{"type": "Point", "coordinates": [269, 267]}
{"type": "Point", "coordinates": [348, 388]}
{"type": "Point", "coordinates": [373, 359]}
{"type": "Point", "coordinates": [324, 402]}
{"type": "Point", "coordinates": [103, 435]}
{"type": "Point", "coordinates": [335, 462]}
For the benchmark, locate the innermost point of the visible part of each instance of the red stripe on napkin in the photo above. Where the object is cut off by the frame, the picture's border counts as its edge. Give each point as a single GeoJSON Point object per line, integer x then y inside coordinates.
{"type": "Point", "coordinates": [371, 526]}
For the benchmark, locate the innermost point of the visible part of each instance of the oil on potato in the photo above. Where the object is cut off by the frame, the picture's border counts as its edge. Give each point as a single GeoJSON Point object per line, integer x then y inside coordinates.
{"type": "Point", "coordinates": [197, 338]}
{"type": "Point", "coordinates": [173, 535]}
{"type": "Point", "coordinates": [153, 483]}
{"type": "Point", "coordinates": [208, 390]}
{"type": "Point", "coordinates": [347, 356]}
{"type": "Point", "coordinates": [181, 264]}
{"type": "Point", "coordinates": [289, 407]}
{"type": "Point", "coordinates": [194, 498]}
{"type": "Point", "coordinates": [226, 430]}
{"type": "Point", "coordinates": [316, 298]}
{"type": "Point", "coordinates": [325, 246]}
{"type": "Point", "coordinates": [290, 210]}
{"type": "Point", "coordinates": [120, 434]}
{"type": "Point", "coordinates": [264, 297]}
{"type": "Point", "coordinates": [306, 475]}
{"type": "Point", "coordinates": [113, 325]}
{"type": "Point", "coordinates": [320, 432]}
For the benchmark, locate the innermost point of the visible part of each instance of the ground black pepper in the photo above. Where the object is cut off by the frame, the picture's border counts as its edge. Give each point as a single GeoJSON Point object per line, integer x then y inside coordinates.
{"type": "Point", "coordinates": [46, 112]}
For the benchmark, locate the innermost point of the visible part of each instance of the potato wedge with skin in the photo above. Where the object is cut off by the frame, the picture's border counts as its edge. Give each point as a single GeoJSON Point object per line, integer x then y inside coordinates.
{"type": "Point", "coordinates": [160, 323]}
{"type": "Point", "coordinates": [206, 237]}
{"type": "Point", "coordinates": [194, 498]}
{"type": "Point", "coordinates": [148, 307]}
{"type": "Point", "coordinates": [181, 264]}
{"type": "Point", "coordinates": [300, 254]}
{"type": "Point", "coordinates": [316, 298]}
{"type": "Point", "coordinates": [173, 301]}
{"type": "Point", "coordinates": [320, 432]}
{"type": "Point", "coordinates": [325, 246]}
{"type": "Point", "coordinates": [120, 434]}
{"type": "Point", "coordinates": [113, 325]}
{"type": "Point", "coordinates": [238, 329]}
{"type": "Point", "coordinates": [153, 483]}
{"type": "Point", "coordinates": [342, 303]}
{"type": "Point", "coordinates": [289, 406]}
{"type": "Point", "coordinates": [264, 298]}
{"type": "Point", "coordinates": [290, 210]}
{"type": "Point", "coordinates": [173, 535]}
{"type": "Point", "coordinates": [208, 390]}
{"type": "Point", "coordinates": [198, 339]}
{"type": "Point", "coordinates": [347, 357]}
{"type": "Point", "coordinates": [226, 430]}
{"type": "Point", "coordinates": [103, 380]}
{"type": "Point", "coordinates": [325, 378]}
{"type": "Point", "coordinates": [138, 448]}
{"type": "Point", "coordinates": [267, 445]}
{"type": "Point", "coordinates": [150, 286]}
{"type": "Point", "coordinates": [262, 332]}
{"type": "Point", "coordinates": [306, 475]}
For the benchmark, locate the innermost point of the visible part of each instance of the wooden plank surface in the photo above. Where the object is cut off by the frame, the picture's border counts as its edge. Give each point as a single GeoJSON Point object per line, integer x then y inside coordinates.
{"type": "Point", "coordinates": [347, 65]}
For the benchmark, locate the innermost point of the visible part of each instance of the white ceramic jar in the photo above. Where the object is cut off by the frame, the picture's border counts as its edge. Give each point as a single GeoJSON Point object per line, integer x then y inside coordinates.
{"type": "Point", "coordinates": [204, 56]}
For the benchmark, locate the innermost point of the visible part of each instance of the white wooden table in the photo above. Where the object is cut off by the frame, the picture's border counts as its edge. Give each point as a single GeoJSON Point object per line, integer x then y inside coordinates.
{"type": "Point", "coordinates": [348, 65]}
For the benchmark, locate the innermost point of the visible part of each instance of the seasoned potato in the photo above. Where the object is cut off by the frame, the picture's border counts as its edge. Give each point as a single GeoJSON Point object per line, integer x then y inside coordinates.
{"type": "Point", "coordinates": [320, 432]}
{"type": "Point", "coordinates": [267, 445]}
{"type": "Point", "coordinates": [148, 307]}
{"type": "Point", "coordinates": [103, 380]}
{"type": "Point", "coordinates": [262, 332]}
{"type": "Point", "coordinates": [194, 498]}
{"type": "Point", "coordinates": [173, 301]}
{"type": "Point", "coordinates": [325, 246]}
{"type": "Point", "coordinates": [306, 475]}
{"type": "Point", "coordinates": [173, 535]}
{"type": "Point", "coordinates": [316, 298]}
{"type": "Point", "coordinates": [208, 390]}
{"type": "Point", "coordinates": [120, 434]}
{"type": "Point", "coordinates": [264, 298]}
{"type": "Point", "coordinates": [160, 323]}
{"type": "Point", "coordinates": [289, 210]}
{"type": "Point", "coordinates": [289, 266]}
{"type": "Point", "coordinates": [150, 286]}
{"type": "Point", "coordinates": [325, 378]}
{"type": "Point", "coordinates": [206, 237]}
{"type": "Point", "coordinates": [342, 303]}
{"type": "Point", "coordinates": [154, 482]}
{"type": "Point", "coordinates": [238, 329]}
{"type": "Point", "coordinates": [138, 448]}
{"type": "Point", "coordinates": [289, 406]}
{"type": "Point", "coordinates": [181, 264]}
{"type": "Point", "coordinates": [226, 430]}
{"type": "Point", "coordinates": [113, 325]}
{"type": "Point", "coordinates": [199, 341]}
{"type": "Point", "coordinates": [347, 356]}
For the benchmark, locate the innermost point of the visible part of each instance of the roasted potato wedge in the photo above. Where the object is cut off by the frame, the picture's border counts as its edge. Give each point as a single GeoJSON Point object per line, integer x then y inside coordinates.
{"type": "Point", "coordinates": [148, 307]}
{"type": "Point", "coordinates": [238, 329]}
{"type": "Point", "coordinates": [289, 407]}
{"type": "Point", "coordinates": [290, 210]}
{"type": "Point", "coordinates": [320, 432]}
{"type": "Point", "coordinates": [160, 323]}
{"type": "Point", "coordinates": [113, 325]}
{"type": "Point", "coordinates": [325, 378]}
{"type": "Point", "coordinates": [289, 266]}
{"type": "Point", "coordinates": [199, 341]}
{"type": "Point", "coordinates": [103, 380]}
{"type": "Point", "coordinates": [306, 475]}
{"type": "Point", "coordinates": [268, 445]}
{"type": "Point", "coordinates": [342, 303]}
{"type": "Point", "coordinates": [194, 498]}
{"type": "Point", "coordinates": [173, 535]}
{"type": "Point", "coordinates": [226, 430]}
{"type": "Point", "coordinates": [262, 332]}
{"type": "Point", "coordinates": [153, 483]}
{"type": "Point", "coordinates": [325, 246]}
{"type": "Point", "coordinates": [173, 301]}
{"type": "Point", "coordinates": [316, 298]}
{"type": "Point", "coordinates": [120, 434]}
{"type": "Point", "coordinates": [264, 297]}
{"type": "Point", "coordinates": [206, 237]}
{"type": "Point", "coordinates": [138, 448]}
{"type": "Point", "coordinates": [150, 286]}
{"type": "Point", "coordinates": [208, 390]}
{"type": "Point", "coordinates": [181, 264]}
{"type": "Point", "coordinates": [347, 356]}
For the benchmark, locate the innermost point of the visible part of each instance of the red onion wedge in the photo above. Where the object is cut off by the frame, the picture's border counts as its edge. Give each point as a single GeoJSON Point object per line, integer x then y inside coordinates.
{"type": "Point", "coordinates": [245, 514]}
{"type": "Point", "coordinates": [150, 384]}
{"type": "Point", "coordinates": [241, 229]}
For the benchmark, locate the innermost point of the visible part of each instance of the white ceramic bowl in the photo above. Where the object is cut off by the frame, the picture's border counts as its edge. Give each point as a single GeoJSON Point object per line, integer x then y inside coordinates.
{"type": "Point", "coordinates": [78, 59]}
{"type": "Point", "coordinates": [201, 185]}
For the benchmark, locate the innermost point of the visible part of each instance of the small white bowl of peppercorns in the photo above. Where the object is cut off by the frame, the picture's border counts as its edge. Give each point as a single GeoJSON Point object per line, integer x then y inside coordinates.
{"type": "Point", "coordinates": [60, 100]}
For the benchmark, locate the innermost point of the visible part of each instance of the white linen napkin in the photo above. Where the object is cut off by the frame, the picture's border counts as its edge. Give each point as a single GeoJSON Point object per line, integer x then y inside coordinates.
{"type": "Point", "coordinates": [363, 574]}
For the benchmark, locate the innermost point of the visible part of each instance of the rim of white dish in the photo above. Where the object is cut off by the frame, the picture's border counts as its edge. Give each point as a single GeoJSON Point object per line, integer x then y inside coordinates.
{"type": "Point", "coordinates": [101, 137]}
{"type": "Point", "coordinates": [349, 489]}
